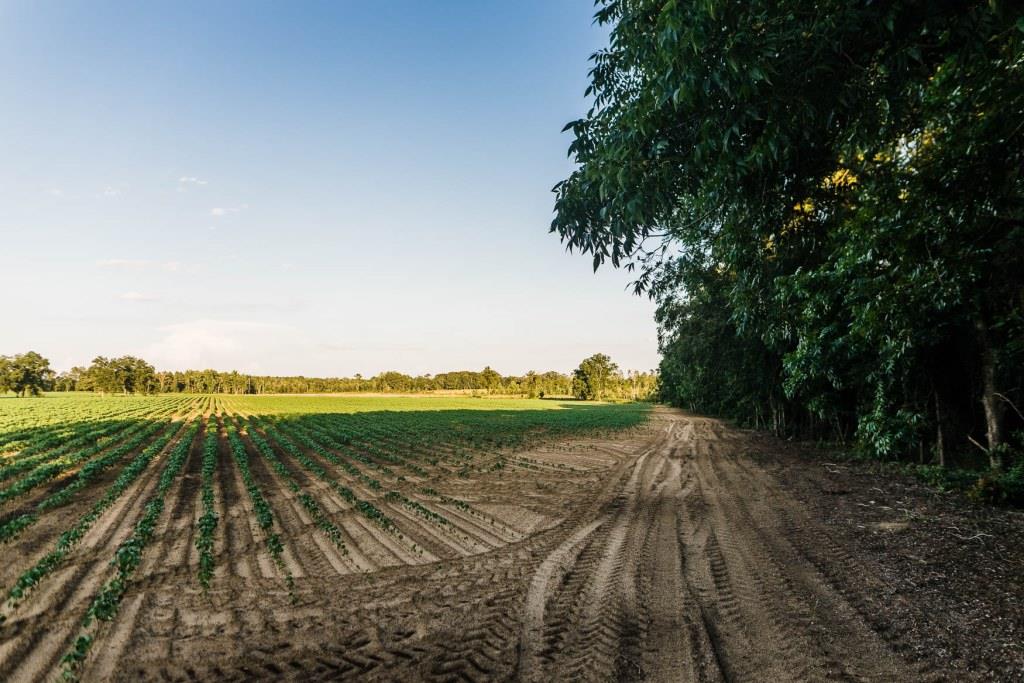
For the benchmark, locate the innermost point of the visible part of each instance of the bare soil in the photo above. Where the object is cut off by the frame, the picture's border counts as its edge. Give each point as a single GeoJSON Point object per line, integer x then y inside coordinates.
{"type": "Point", "coordinates": [685, 550]}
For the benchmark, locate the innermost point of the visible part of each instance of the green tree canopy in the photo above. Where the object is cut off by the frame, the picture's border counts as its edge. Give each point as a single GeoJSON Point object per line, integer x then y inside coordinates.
{"type": "Point", "coordinates": [124, 375]}
{"type": "Point", "coordinates": [827, 201]}
{"type": "Point", "coordinates": [593, 378]}
{"type": "Point", "coordinates": [133, 375]}
{"type": "Point", "coordinates": [25, 373]}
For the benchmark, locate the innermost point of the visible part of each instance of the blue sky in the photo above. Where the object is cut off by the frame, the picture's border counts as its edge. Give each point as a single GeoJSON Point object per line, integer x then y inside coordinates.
{"type": "Point", "coordinates": [314, 188]}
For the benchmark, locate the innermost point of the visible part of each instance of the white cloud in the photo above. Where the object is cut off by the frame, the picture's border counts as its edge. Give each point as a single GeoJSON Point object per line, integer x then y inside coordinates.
{"type": "Point", "coordinates": [243, 345]}
{"type": "Point", "coordinates": [111, 191]}
{"type": "Point", "coordinates": [190, 180]}
{"type": "Point", "coordinates": [219, 211]}
{"type": "Point", "coordinates": [136, 296]}
{"type": "Point", "coordinates": [139, 264]}
{"type": "Point", "coordinates": [55, 192]}
{"type": "Point", "coordinates": [123, 263]}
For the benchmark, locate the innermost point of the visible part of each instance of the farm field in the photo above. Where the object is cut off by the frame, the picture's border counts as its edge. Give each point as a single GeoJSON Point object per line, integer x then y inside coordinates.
{"type": "Point", "coordinates": [132, 516]}
{"type": "Point", "coordinates": [457, 539]}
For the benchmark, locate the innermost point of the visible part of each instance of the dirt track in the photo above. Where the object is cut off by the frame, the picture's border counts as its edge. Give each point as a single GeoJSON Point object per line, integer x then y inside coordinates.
{"type": "Point", "coordinates": [684, 572]}
{"type": "Point", "coordinates": [665, 555]}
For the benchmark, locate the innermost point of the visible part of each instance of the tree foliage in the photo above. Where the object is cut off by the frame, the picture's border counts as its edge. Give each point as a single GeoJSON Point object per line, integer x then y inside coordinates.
{"type": "Point", "coordinates": [826, 199]}
{"type": "Point", "coordinates": [133, 375]}
{"type": "Point", "coordinates": [124, 375]}
{"type": "Point", "coordinates": [594, 377]}
{"type": "Point", "coordinates": [25, 373]}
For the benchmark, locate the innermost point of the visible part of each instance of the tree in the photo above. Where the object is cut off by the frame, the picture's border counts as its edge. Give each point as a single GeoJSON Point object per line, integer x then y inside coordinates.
{"type": "Point", "coordinates": [128, 374]}
{"type": "Point", "coordinates": [826, 200]}
{"type": "Point", "coordinates": [124, 375]}
{"type": "Point", "coordinates": [25, 373]}
{"type": "Point", "coordinates": [530, 384]}
{"type": "Point", "coordinates": [70, 380]}
{"type": "Point", "coordinates": [591, 379]}
{"type": "Point", "coordinates": [490, 380]}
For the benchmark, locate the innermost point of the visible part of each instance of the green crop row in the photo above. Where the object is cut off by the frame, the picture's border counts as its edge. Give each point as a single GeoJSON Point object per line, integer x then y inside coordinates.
{"type": "Point", "coordinates": [264, 514]}
{"type": "Point", "coordinates": [107, 601]}
{"type": "Point", "coordinates": [207, 523]}
{"type": "Point", "coordinates": [70, 538]}
{"type": "Point", "coordinates": [317, 513]}
{"type": "Point", "coordinates": [90, 471]}
{"type": "Point", "coordinates": [367, 509]}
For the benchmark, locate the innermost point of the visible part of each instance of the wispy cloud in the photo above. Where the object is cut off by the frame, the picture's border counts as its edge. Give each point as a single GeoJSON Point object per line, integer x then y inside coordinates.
{"type": "Point", "coordinates": [139, 264]}
{"type": "Point", "coordinates": [219, 211]}
{"type": "Point", "coordinates": [111, 191]}
{"type": "Point", "coordinates": [187, 182]}
{"type": "Point", "coordinates": [136, 296]}
{"type": "Point", "coordinates": [123, 263]}
{"type": "Point", "coordinates": [55, 192]}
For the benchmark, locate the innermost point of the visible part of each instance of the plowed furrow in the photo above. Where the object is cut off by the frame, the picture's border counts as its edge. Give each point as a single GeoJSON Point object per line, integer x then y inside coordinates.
{"type": "Point", "coordinates": [40, 632]}
{"type": "Point", "coordinates": [315, 554]}
{"type": "Point", "coordinates": [177, 525]}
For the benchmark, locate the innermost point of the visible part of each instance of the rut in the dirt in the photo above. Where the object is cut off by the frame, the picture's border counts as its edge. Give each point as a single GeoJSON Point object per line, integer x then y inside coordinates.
{"type": "Point", "coordinates": [686, 573]}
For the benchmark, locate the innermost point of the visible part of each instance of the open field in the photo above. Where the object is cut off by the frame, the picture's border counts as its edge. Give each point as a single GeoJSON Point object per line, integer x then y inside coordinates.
{"type": "Point", "coordinates": [446, 539]}
{"type": "Point", "coordinates": [121, 511]}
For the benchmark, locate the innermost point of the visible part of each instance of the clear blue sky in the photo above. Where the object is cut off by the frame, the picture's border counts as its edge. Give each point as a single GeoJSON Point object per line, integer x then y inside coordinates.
{"type": "Point", "coordinates": [317, 188]}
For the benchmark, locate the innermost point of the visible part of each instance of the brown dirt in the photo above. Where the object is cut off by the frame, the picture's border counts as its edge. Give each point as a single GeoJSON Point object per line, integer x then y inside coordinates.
{"type": "Point", "coordinates": [684, 550]}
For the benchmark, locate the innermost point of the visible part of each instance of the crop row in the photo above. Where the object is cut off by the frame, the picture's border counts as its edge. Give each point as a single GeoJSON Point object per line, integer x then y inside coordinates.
{"type": "Point", "coordinates": [136, 434]}
{"type": "Point", "coordinates": [322, 443]}
{"type": "Point", "coordinates": [70, 538]}
{"type": "Point", "coordinates": [83, 478]}
{"type": "Point", "coordinates": [52, 445]}
{"type": "Point", "coordinates": [127, 557]}
{"type": "Point", "coordinates": [34, 419]}
{"type": "Point", "coordinates": [262, 510]}
{"type": "Point", "coordinates": [366, 508]}
{"type": "Point", "coordinates": [320, 518]}
{"type": "Point", "coordinates": [207, 523]}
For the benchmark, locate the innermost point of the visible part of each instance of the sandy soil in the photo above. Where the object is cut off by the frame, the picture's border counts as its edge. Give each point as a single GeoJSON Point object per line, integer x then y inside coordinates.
{"type": "Point", "coordinates": [683, 551]}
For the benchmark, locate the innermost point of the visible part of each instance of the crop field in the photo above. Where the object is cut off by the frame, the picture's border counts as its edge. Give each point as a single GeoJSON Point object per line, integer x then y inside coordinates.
{"type": "Point", "coordinates": [168, 537]}
{"type": "Point", "coordinates": [324, 538]}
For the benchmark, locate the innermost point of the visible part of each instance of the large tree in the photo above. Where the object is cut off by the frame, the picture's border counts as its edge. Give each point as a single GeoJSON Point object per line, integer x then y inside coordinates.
{"type": "Point", "coordinates": [827, 201]}
{"type": "Point", "coordinates": [124, 375]}
{"type": "Point", "coordinates": [25, 373]}
{"type": "Point", "coordinates": [594, 377]}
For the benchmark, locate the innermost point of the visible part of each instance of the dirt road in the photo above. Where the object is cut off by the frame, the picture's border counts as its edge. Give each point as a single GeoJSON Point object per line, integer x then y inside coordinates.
{"type": "Point", "coordinates": [685, 572]}
{"type": "Point", "coordinates": [668, 554]}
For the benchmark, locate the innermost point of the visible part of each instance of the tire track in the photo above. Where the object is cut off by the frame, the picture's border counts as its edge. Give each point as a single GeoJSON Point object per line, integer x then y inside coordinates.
{"type": "Point", "coordinates": [694, 579]}
{"type": "Point", "coordinates": [600, 618]}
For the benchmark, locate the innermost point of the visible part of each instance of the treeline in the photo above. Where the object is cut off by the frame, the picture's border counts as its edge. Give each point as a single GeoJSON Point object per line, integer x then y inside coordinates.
{"type": "Point", "coordinates": [826, 200]}
{"type": "Point", "coordinates": [599, 379]}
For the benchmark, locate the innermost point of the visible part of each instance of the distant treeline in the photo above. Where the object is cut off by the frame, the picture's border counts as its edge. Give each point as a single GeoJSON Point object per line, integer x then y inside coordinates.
{"type": "Point", "coordinates": [131, 375]}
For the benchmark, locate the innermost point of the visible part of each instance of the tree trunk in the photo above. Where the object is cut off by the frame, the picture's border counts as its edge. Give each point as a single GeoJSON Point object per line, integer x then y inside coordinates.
{"type": "Point", "coordinates": [940, 431]}
{"type": "Point", "coordinates": [989, 400]}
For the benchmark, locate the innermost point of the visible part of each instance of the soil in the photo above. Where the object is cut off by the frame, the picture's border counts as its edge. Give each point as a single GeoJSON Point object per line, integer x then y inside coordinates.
{"type": "Point", "coordinates": [684, 550]}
